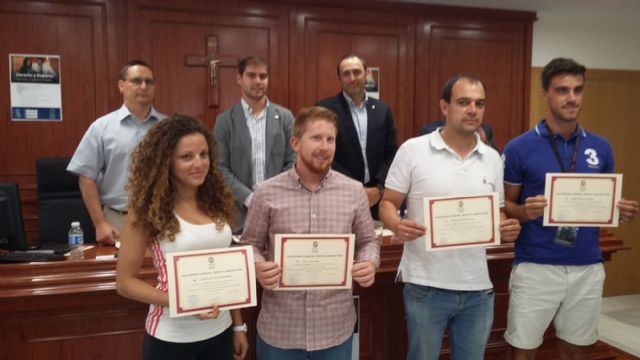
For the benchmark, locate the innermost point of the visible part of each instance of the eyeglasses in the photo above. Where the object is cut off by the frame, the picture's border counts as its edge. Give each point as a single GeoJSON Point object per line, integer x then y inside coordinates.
{"type": "Point", "coordinates": [139, 81]}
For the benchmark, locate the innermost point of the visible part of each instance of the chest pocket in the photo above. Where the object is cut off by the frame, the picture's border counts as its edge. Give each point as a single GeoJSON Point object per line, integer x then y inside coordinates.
{"type": "Point", "coordinates": [486, 182]}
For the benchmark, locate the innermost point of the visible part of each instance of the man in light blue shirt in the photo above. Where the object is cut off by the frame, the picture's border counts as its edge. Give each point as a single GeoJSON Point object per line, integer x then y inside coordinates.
{"type": "Point", "coordinates": [102, 158]}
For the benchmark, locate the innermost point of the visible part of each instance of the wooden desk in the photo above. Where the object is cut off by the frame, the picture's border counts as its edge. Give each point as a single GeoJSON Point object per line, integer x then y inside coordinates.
{"type": "Point", "coordinates": [70, 310]}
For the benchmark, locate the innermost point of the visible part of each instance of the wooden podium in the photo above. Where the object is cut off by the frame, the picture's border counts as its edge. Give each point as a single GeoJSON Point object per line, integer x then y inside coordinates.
{"type": "Point", "coordinates": [70, 309]}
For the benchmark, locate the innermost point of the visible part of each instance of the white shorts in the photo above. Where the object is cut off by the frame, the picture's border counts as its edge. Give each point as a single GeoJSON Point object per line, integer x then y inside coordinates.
{"type": "Point", "coordinates": [571, 295]}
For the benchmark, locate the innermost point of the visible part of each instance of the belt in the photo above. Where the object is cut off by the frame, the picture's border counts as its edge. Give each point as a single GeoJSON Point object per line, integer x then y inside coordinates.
{"type": "Point", "coordinates": [121, 212]}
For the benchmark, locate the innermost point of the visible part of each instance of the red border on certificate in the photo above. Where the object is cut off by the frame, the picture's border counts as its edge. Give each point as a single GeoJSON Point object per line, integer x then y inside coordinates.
{"type": "Point", "coordinates": [491, 241]}
{"type": "Point", "coordinates": [346, 279]}
{"type": "Point", "coordinates": [612, 215]}
{"type": "Point", "coordinates": [181, 310]}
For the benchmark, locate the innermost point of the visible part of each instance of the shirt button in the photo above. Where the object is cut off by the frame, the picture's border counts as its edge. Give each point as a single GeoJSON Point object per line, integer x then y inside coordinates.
{"type": "Point", "coordinates": [313, 216]}
{"type": "Point", "coordinates": [308, 310]}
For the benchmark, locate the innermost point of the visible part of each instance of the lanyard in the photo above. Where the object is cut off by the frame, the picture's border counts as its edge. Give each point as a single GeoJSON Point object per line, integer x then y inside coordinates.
{"type": "Point", "coordinates": [554, 147]}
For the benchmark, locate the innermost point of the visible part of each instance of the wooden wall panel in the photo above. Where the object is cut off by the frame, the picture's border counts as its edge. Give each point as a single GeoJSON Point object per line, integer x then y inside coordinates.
{"type": "Point", "coordinates": [319, 38]}
{"type": "Point", "coordinates": [90, 335]}
{"type": "Point", "coordinates": [77, 32]}
{"type": "Point", "coordinates": [498, 52]}
{"type": "Point", "coordinates": [415, 46]}
{"type": "Point", "coordinates": [609, 104]}
{"type": "Point", "coordinates": [166, 36]}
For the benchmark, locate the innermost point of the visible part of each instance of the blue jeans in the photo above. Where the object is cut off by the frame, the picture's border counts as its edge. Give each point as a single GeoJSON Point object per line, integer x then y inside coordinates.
{"type": "Point", "coordinates": [466, 315]}
{"type": "Point", "coordinates": [265, 351]}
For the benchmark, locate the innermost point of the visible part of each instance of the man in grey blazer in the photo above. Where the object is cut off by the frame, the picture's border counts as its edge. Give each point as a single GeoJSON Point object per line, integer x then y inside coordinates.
{"type": "Point", "coordinates": [252, 136]}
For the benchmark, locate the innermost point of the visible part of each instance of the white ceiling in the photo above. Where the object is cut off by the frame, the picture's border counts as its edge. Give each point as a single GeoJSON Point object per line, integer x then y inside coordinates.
{"type": "Point", "coordinates": [629, 8]}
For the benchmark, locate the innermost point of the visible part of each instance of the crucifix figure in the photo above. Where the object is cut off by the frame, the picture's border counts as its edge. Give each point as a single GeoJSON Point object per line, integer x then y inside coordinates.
{"type": "Point", "coordinates": [213, 62]}
{"type": "Point", "coordinates": [213, 69]}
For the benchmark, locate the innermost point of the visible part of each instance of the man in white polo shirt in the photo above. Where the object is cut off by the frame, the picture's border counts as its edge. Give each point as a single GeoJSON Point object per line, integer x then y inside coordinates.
{"type": "Point", "coordinates": [448, 289]}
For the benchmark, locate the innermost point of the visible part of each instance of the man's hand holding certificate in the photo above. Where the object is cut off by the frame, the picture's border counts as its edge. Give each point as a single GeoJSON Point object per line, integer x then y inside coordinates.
{"type": "Point", "coordinates": [314, 261]}
{"type": "Point", "coordinates": [462, 221]}
{"type": "Point", "coordinates": [582, 199]}
{"type": "Point", "coordinates": [224, 277]}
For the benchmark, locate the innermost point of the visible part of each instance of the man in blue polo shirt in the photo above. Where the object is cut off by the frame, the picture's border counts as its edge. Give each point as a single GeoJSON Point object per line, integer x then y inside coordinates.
{"type": "Point", "coordinates": [558, 273]}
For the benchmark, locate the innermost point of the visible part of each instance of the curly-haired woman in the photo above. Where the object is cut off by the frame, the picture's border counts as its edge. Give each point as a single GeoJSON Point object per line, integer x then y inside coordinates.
{"type": "Point", "coordinates": [178, 201]}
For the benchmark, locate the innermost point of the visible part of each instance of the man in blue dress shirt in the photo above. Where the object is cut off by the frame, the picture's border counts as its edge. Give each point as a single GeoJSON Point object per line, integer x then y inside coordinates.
{"type": "Point", "coordinates": [102, 159]}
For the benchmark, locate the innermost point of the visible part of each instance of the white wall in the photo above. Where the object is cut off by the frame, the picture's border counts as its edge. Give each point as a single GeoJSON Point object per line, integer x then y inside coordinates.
{"type": "Point", "coordinates": [605, 36]}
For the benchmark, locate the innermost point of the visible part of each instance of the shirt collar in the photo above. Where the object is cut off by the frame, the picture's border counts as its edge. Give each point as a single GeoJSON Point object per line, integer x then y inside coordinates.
{"type": "Point", "coordinates": [295, 177]}
{"type": "Point", "coordinates": [437, 142]}
{"type": "Point", "coordinates": [353, 103]}
{"type": "Point", "coordinates": [248, 110]}
{"type": "Point", "coordinates": [541, 130]}
{"type": "Point", "coordinates": [124, 113]}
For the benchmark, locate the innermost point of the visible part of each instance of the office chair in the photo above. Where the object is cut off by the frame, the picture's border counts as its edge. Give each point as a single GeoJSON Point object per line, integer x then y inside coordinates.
{"type": "Point", "coordinates": [60, 202]}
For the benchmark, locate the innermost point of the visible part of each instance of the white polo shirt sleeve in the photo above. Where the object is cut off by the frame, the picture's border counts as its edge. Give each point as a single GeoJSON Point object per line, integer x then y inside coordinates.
{"type": "Point", "coordinates": [399, 176]}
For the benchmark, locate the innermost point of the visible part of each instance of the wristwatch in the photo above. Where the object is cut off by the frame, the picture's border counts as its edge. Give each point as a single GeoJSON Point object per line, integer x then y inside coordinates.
{"type": "Point", "coordinates": [239, 328]}
{"type": "Point", "coordinates": [380, 189]}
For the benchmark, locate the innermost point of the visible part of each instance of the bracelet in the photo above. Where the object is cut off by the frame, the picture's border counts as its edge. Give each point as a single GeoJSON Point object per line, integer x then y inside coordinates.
{"type": "Point", "coordinates": [240, 328]}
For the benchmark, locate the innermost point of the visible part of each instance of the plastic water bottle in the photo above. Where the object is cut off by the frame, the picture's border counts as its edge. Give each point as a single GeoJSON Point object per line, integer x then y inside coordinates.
{"type": "Point", "coordinates": [76, 236]}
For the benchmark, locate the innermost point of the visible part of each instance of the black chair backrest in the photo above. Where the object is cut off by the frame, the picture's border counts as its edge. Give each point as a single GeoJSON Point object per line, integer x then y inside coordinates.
{"type": "Point", "coordinates": [60, 202]}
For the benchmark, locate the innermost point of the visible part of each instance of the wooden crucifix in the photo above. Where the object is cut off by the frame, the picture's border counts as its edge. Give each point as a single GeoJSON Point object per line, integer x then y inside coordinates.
{"type": "Point", "coordinates": [213, 61]}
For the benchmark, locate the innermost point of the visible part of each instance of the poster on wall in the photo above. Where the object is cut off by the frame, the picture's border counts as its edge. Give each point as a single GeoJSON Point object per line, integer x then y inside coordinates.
{"type": "Point", "coordinates": [35, 89]}
{"type": "Point", "coordinates": [372, 83]}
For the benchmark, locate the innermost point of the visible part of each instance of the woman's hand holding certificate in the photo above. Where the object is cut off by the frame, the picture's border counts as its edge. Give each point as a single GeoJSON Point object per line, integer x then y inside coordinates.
{"type": "Point", "coordinates": [213, 313]}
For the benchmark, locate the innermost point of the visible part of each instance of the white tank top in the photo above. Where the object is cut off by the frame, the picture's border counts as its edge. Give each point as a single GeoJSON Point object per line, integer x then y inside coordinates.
{"type": "Point", "coordinates": [188, 328]}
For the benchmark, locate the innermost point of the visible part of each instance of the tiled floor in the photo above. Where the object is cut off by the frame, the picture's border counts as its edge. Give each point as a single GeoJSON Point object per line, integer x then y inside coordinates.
{"type": "Point", "coordinates": [620, 323]}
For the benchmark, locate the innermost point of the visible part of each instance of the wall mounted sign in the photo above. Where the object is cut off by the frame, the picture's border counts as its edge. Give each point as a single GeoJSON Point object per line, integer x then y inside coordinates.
{"type": "Point", "coordinates": [372, 83]}
{"type": "Point", "coordinates": [35, 89]}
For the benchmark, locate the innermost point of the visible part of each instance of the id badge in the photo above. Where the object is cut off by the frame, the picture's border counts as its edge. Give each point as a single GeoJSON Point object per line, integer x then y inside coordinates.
{"type": "Point", "coordinates": [566, 236]}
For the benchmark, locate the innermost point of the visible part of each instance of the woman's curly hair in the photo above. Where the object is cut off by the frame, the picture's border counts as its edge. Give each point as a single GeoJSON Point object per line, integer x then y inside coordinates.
{"type": "Point", "coordinates": [151, 192]}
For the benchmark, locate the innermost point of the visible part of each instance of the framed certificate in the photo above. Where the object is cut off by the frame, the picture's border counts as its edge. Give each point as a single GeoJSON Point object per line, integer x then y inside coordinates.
{"type": "Point", "coordinates": [224, 277]}
{"type": "Point", "coordinates": [582, 199]}
{"type": "Point", "coordinates": [462, 221]}
{"type": "Point", "coordinates": [314, 261]}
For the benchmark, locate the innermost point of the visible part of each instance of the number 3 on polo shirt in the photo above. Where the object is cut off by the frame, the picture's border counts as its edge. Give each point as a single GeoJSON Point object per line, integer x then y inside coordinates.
{"type": "Point", "coordinates": [592, 157]}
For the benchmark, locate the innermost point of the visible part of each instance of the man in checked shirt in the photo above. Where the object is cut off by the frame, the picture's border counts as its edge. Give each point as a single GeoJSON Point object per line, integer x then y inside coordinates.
{"type": "Point", "coordinates": [310, 198]}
